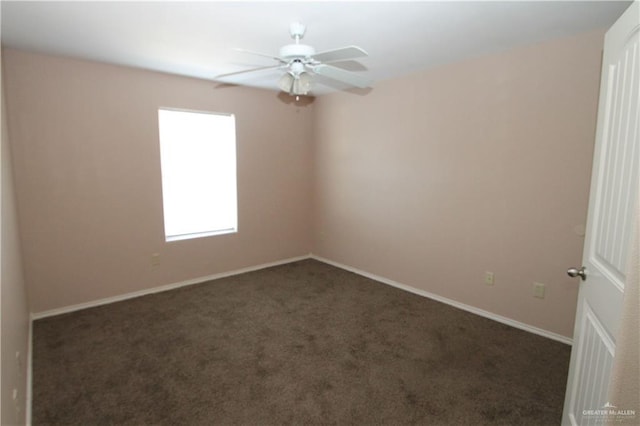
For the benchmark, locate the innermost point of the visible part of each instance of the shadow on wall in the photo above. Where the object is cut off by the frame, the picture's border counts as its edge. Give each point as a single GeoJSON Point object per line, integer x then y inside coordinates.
{"type": "Point", "coordinates": [301, 100]}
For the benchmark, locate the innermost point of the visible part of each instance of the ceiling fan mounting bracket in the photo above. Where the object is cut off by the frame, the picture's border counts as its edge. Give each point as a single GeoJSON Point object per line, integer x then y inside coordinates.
{"type": "Point", "coordinates": [297, 30]}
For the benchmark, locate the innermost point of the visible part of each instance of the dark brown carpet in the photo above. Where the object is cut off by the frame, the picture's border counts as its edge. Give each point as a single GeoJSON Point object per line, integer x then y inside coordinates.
{"type": "Point", "coordinates": [303, 343]}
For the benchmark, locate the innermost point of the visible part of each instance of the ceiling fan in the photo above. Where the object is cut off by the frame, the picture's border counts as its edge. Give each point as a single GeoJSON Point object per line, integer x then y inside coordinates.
{"type": "Point", "coordinates": [300, 62]}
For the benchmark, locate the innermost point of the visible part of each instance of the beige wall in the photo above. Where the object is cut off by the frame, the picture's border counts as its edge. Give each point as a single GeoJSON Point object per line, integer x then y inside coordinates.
{"type": "Point", "coordinates": [15, 313]}
{"type": "Point", "coordinates": [429, 180]}
{"type": "Point", "coordinates": [484, 165]}
{"type": "Point", "coordinates": [87, 164]}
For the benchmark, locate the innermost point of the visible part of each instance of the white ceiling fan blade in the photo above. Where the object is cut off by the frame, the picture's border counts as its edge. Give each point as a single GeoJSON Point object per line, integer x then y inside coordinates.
{"type": "Point", "coordinates": [341, 54]}
{"type": "Point", "coordinates": [229, 74]}
{"type": "Point", "coordinates": [251, 52]}
{"type": "Point", "coordinates": [339, 74]}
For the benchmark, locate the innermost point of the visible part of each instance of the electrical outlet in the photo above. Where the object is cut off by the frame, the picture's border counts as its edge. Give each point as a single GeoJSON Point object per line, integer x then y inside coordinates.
{"type": "Point", "coordinates": [489, 278]}
{"type": "Point", "coordinates": [538, 290]}
{"type": "Point", "coordinates": [155, 259]}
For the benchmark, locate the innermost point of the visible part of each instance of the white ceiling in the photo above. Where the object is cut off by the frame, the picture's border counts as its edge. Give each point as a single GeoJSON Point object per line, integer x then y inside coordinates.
{"type": "Point", "coordinates": [197, 38]}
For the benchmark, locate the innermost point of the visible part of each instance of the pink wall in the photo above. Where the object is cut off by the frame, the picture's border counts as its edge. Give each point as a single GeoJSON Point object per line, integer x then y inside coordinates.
{"type": "Point", "coordinates": [432, 179]}
{"type": "Point", "coordinates": [87, 164]}
{"type": "Point", "coordinates": [429, 180]}
{"type": "Point", "coordinates": [14, 318]}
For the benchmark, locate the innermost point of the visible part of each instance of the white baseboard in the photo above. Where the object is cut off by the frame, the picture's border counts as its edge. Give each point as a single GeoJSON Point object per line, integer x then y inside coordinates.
{"type": "Point", "coordinates": [464, 307]}
{"type": "Point", "coordinates": [451, 302]}
{"type": "Point", "coordinates": [121, 297]}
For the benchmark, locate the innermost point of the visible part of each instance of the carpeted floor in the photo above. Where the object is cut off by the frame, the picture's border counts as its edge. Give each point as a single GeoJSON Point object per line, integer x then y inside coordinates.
{"type": "Point", "coordinates": [304, 343]}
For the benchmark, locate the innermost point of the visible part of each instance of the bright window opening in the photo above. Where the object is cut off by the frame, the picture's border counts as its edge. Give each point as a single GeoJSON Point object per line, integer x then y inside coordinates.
{"type": "Point", "coordinates": [198, 161]}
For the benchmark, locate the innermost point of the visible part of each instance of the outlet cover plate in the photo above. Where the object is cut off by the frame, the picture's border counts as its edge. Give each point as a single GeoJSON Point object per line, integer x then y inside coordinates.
{"type": "Point", "coordinates": [489, 278]}
{"type": "Point", "coordinates": [538, 290]}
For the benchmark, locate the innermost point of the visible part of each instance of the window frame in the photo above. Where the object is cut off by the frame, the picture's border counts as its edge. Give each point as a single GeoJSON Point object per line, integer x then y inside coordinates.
{"type": "Point", "coordinates": [234, 208]}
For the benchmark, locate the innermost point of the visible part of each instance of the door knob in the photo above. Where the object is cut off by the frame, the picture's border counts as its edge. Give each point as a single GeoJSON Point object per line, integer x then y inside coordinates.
{"type": "Point", "coordinates": [575, 272]}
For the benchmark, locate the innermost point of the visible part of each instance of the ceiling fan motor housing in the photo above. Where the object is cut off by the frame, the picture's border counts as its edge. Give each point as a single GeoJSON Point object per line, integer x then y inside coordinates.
{"type": "Point", "coordinates": [294, 51]}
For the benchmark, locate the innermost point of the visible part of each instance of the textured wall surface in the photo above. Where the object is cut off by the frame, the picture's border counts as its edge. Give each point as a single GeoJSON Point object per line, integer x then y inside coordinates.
{"type": "Point", "coordinates": [429, 180]}
{"type": "Point", "coordinates": [87, 163]}
{"type": "Point", "coordinates": [15, 310]}
{"type": "Point", "coordinates": [483, 165]}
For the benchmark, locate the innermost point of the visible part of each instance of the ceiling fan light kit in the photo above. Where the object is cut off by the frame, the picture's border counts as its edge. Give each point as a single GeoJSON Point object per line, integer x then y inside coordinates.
{"type": "Point", "coordinates": [300, 62]}
{"type": "Point", "coordinates": [297, 85]}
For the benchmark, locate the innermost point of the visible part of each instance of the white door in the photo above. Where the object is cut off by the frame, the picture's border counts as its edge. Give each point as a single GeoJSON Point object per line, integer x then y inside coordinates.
{"type": "Point", "coordinates": [614, 190]}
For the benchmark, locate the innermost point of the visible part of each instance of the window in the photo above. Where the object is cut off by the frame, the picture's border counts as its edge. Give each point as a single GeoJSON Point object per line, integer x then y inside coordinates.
{"type": "Point", "coordinates": [198, 161]}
